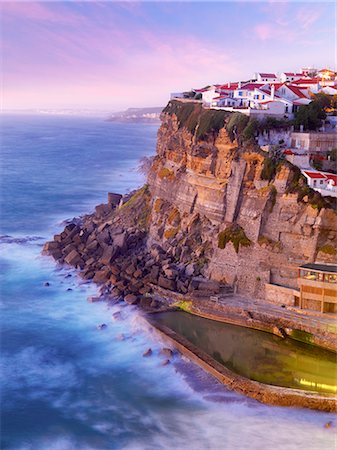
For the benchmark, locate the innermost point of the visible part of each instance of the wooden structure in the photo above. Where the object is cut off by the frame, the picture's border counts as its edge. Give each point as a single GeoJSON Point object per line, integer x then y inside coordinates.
{"type": "Point", "coordinates": [318, 287]}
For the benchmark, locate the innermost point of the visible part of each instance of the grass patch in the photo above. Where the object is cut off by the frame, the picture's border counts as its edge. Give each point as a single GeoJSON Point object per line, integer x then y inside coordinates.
{"type": "Point", "coordinates": [185, 305]}
{"type": "Point", "coordinates": [234, 234]}
{"type": "Point", "coordinates": [165, 173]}
{"type": "Point", "coordinates": [264, 240]}
{"type": "Point", "coordinates": [328, 249]}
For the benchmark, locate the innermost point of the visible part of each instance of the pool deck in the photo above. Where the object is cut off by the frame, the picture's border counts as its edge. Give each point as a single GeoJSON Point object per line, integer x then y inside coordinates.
{"type": "Point", "coordinates": [307, 326]}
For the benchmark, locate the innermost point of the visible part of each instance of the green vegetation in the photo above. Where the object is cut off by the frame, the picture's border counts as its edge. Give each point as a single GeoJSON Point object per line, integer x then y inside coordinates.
{"type": "Point", "coordinates": [164, 172]}
{"type": "Point", "coordinates": [299, 185]}
{"type": "Point", "coordinates": [234, 234]}
{"type": "Point", "coordinates": [266, 241]}
{"type": "Point", "coordinates": [210, 121]}
{"type": "Point", "coordinates": [236, 124]}
{"type": "Point", "coordinates": [333, 154]}
{"type": "Point", "coordinates": [251, 130]}
{"type": "Point", "coordinates": [195, 118]}
{"type": "Point", "coordinates": [269, 169]}
{"type": "Point", "coordinates": [328, 249]}
{"type": "Point", "coordinates": [136, 210]}
{"type": "Point", "coordinates": [271, 123]}
{"type": "Point", "coordinates": [170, 233]}
{"type": "Point", "coordinates": [185, 305]}
{"type": "Point", "coordinates": [311, 116]}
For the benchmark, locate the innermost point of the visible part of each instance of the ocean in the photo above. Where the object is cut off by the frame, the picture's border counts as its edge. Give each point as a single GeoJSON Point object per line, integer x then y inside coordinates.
{"type": "Point", "coordinates": [67, 385]}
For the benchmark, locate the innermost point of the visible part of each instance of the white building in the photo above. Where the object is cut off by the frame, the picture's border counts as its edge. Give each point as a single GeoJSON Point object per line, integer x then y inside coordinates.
{"type": "Point", "coordinates": [266, 77]}
{"type": "Point", "coordinates": [323, 182]}
{"type": "Point", "coordinates": [289, 77]}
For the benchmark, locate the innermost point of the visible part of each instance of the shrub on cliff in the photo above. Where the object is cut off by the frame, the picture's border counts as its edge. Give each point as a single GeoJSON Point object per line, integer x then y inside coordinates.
{"type": "Point", "coordinates": [210, 121]}
{"type": "Point", "coordinates": [328, 249]}
{"type": "Point", "coordinates": [236, 124]}
{"type": "Point", "coordinates": [234, 234]}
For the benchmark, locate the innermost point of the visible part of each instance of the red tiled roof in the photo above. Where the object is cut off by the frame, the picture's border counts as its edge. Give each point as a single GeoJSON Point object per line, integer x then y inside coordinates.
{"type": "Point", "coordinates": [288, 152]}
{"type": "Point", "coordinates": [332, 177]}
{"type": "Point", "coordinates": [306, 81]}
{"type": "Point", "coordinates": [267, 75]}
{"type": "Point", "coordinates": [314, 175]}
{"type": "Point", "coordinates": [297, 91]}
{"type": "Point", "coordinates": [292, 74]}
{"type": "Point", "coordinates": [232, 87]}
{"type": "Point", "coordinates": [250, 86]}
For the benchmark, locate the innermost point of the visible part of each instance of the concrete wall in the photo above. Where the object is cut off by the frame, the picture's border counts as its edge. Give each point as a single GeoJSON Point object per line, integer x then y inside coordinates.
{"type": "Point", "coordinates": [280, 294]}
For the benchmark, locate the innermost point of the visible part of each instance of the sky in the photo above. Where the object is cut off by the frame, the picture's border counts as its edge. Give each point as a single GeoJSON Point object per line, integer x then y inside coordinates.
{"type": "Point", "coordinates": [113, 55]}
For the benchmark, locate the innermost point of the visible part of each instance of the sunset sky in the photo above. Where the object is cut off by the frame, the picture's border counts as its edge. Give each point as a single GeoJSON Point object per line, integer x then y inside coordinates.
{"type": "Point", "coordinates": [112, 55]}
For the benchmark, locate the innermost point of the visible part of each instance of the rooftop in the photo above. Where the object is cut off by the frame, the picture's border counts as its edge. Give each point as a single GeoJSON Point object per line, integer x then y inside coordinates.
{"type": "Point", "coordinates": [329, 268]}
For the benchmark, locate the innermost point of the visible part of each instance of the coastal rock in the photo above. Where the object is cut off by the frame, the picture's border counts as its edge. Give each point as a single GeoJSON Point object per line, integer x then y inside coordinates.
{"type": "Point", "coordinates": [73, 258]}
{"type": "Point", "coordinates": [131, 299]}
{"type": "Point", "coordinates": [147, 353]}
{"type": "Point", "coordinates": [166, 283]}
{"type": "Point", "coordinates": [167, 352]}
{"type": "Point", "coordinates": [102, 326]}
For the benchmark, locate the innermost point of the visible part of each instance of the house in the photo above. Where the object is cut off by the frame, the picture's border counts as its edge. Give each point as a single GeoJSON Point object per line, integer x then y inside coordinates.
{"type": "Point", "coordinates": [266, 77]}
{"type": "Point", "coordinates": [289, 77]}
{"type": "Point", "coordinates": [326, 74]}
{"type": "Point", "coordinates": [309, 72]}
{"type": "Point", "coordinates": [224, 101]}
{"type": "Point", "coordinates": [318, 287]}
{"type": "Point", "coordinates": [314, 142]}
{"type": "Point", "coordinates": [323, 182]}
{"type": "Point", "coordinates": [299, 159]}
{"type": "Point", "coordinates": [315, 179]}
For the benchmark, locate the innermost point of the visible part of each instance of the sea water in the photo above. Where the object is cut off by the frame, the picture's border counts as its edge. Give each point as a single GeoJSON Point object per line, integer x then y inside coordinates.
{"type": "Point", "coordinates": [65, 383]}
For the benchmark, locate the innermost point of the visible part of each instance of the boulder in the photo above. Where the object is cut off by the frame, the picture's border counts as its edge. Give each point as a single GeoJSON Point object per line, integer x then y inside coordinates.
{"type": "Point", "coordinates": [102, 276]}
{"type": "Point", "coordinates": [48, 246]}
{"type": "Point", "coordinates": [167, 352]}
{"type": "Point", "coordinates": [102, 210]}
{"type": "Point", "coordinates": [138, 273]}
{"type": "Point", "coordinates": [189, 271]}
{"type": "Point", "coordinates": [108, 254]}
{"type": "Point", "coordinates": [147, 353]}
{"type": "Point", "coordinates": [154, 274]}
{"type": "Point", "coordinates": [114, 199]}
{"type": "Point", "coordinates": [73, 258]}
{"type": "Point", "coordinates": [166, 283]}
{"type": "Point", "coordinates": [171, 273]}
{"type": "Point", "coordinates": [92, 246]}
{"type": "Point", "coordinates": [131, 299]}
{"type": "Point", "coordinates": [120, 240]}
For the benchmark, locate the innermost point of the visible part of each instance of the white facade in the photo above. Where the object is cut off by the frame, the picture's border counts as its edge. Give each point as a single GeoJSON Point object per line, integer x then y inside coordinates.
{"type": "Point", "coordinates": [288, 77]}
{"type": "Point", "coordinates": [266, 77]}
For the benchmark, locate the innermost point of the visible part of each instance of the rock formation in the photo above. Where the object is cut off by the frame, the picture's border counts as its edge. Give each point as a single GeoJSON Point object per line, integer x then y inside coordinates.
{"type": "Point", "coordinates": [216, 213]}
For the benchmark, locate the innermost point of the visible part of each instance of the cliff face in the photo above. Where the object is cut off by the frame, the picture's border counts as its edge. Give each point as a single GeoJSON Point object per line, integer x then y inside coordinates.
{"type": "Point", "coordinates": [215, 212]}
{"type": "Point", "coordinates": [212, 211]}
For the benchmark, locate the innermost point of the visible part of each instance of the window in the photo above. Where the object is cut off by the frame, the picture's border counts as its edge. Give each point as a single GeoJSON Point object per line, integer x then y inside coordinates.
{"type": "Point", "coordinates": [315, 182]}
{"type": "Point", "coordinates": [321, 182]}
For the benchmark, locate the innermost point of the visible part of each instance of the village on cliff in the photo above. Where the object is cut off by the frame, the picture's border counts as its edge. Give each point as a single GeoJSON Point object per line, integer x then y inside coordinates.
{"type": "Point", "coordinates": [280, 96]}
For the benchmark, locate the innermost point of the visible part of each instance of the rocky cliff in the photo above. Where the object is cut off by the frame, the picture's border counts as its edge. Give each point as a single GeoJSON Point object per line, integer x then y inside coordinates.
{"type": "Point", "coordinates": [215, 207]}
{"type": "Point", "coordinates": [211, 207]}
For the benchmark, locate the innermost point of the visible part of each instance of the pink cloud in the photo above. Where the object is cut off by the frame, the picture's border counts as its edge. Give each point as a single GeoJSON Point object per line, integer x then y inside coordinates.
{"type": "Point", "coordinates": [263, 31]}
